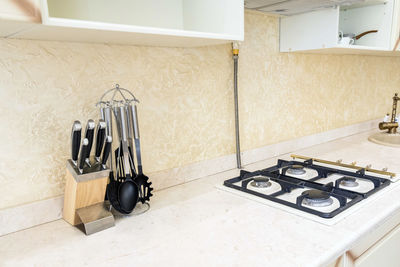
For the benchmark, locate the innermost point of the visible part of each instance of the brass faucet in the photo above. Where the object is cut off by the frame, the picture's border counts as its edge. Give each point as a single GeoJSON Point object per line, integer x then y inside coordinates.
{"type": "Point", "coordinates": [392, 125]}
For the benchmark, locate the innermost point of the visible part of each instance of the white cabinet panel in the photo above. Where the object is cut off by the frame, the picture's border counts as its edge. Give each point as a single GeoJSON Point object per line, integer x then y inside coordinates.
{"type": "Point", "coordinates": [149, 13]}
{"type": "Point", "coordinates": [314, 30]}
{"type": "Point", "coordinates": [384, 253]}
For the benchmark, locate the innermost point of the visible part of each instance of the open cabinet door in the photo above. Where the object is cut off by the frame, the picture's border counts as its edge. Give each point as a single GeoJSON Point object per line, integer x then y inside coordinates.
{"type": "Point", "coordinates": [307, 31]}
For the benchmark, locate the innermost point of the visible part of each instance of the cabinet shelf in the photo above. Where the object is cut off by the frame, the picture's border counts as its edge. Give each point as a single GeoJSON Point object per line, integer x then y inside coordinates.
{"type": "Point", "coordinates": [352, 50]}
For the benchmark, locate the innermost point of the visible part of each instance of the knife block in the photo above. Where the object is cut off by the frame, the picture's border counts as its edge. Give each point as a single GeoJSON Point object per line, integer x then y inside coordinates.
{"type": "Point", "coordinates": [83, 190]}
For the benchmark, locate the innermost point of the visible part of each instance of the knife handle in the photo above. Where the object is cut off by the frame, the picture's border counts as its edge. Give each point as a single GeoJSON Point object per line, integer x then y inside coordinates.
{"type": "Point", "coordinates": [100, 135]}
{"type": "Point", "coordinates": [84, 149]}
{"type": "Point", "coordinates": [89, 136]}
{"type": "Point", "coordinates": [76, 140]}
{"type": "Point", "coordinates": [106, 152]}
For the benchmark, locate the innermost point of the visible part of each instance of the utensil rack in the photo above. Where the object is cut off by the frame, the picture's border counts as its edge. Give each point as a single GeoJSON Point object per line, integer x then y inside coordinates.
{"type": "Point", "coordinates": [118, 106]}
{"type": "Point", "coordinates": [117, 97]}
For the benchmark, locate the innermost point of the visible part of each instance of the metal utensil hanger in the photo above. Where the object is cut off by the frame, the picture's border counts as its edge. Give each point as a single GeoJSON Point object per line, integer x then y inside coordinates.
{"type": "Point", "coordinates": [113, 99]}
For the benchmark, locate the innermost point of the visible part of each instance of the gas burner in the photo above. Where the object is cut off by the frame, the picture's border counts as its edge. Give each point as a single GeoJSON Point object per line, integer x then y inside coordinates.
{"type": "Point", "coordinates": [260, 182]}
{"type": "Point", "coordinates": [315, 189]}
{"type": "Point", "coordinates": [349, 182]}
{"type": "Point", "coordinates": [296, 170]}
{"type": "Point", "coordinates": [317, 198]}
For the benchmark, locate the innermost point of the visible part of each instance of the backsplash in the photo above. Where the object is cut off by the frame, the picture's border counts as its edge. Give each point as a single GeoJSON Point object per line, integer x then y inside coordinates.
{"type": "Point", "coordinates": [186, 112]}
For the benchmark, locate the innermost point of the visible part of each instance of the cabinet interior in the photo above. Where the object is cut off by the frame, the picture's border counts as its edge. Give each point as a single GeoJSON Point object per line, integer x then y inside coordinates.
{"type": "Point", "coordinates": [213, 16]}
{"type": "Point", "coordinates": [377, 15]}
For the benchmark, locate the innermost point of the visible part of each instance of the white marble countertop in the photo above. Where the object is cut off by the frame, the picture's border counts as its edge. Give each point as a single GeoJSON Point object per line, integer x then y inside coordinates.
{"type": "Point", "coordinates": [195, 224]}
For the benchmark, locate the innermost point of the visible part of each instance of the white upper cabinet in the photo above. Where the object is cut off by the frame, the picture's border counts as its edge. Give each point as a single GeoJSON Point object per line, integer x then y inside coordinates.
{"type": "Point", "coordinates": [320, 31]}
{"type": "Point", "coordinates": [142, 22]}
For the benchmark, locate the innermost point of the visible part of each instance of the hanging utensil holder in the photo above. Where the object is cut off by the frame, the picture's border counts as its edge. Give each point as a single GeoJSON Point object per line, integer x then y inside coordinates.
{"type": "Point", "coordinates": [114, 101]}
{"type": "Point", "coordinates": [109, 103]}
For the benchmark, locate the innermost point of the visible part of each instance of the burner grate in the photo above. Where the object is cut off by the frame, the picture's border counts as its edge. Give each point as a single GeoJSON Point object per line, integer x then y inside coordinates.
{"type": "Point", "coordinates": [307, 201]}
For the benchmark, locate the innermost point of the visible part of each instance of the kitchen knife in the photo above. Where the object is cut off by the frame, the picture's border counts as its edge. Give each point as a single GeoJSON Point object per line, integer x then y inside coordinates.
{"type": "Point", "coordinates": [100, 135]}
{"type": "Point", "coordinates": [89, 136]}
{"type": "Point", "coordinates": [82, 157]}
{"type": "Point", "coordinates": [106, 152]}
{"type": "Point", "coordinates": [75, 141]}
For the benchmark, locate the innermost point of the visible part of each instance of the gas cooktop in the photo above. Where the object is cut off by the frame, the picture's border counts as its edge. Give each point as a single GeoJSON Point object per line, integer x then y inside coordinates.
{"type": "Point", "coordinates": [324, 190]}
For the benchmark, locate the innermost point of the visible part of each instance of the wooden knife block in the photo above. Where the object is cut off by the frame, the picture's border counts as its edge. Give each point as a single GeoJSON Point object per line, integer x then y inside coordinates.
{"type": "Point", "coordinates": [82, 190]}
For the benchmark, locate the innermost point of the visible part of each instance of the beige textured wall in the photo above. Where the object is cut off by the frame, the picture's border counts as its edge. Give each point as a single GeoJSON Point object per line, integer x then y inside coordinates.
{"type": "Point", "coordinates": [289, 95]}
{"type": "Point", "coordinates": [186, 110]}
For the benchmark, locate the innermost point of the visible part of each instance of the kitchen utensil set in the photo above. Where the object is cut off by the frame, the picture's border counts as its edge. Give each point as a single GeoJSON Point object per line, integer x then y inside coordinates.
{"type": "Point", "coordinates": [84, 156]}
{"type": "Point", "coordinates": [129, 185]}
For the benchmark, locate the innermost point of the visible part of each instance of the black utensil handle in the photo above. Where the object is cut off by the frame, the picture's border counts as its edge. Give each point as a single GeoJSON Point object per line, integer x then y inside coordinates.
{"type": "Point", "coordinates": [76, 139]}
{"type": "Point", "coordinates": [89, 136]}
{"type": "Point", "coordinates": [107, 149]}
{"type": "Point", "coordinates": [101, 133]}
{"type": "Point", "coordinates": [84, 149]}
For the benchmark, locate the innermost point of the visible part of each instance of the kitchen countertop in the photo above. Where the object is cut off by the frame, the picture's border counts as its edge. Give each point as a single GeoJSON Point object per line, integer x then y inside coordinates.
{"type": "Point", "coordinates": [196, 224]}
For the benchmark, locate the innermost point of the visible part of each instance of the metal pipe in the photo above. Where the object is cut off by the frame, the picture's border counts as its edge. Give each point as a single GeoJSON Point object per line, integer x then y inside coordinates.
{"type": "Point", "coordinates": [394, 107]}
{"type": "Point", "coordinates": [235, 51]}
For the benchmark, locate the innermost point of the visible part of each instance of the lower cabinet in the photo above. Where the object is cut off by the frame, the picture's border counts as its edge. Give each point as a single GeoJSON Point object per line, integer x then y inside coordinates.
{"type": "Point", "coordinates": [386, 252]}
{"type": "Point", "coordinates": [379, 247]}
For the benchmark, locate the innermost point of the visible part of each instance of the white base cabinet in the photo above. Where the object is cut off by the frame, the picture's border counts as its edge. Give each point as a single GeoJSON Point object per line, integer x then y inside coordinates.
{"type": "Point", "coordinates": [384, 253]}
{"type": "Point", "coordinates": [380, 247]}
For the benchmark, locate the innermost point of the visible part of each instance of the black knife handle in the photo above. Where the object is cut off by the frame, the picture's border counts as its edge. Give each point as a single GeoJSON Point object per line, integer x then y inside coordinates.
{"type": "Point", "coordinates": [84, 149]}
{"type": "Point", "coordinates": [89, 136]}
{"type": "Point", "coordinates": [106, 152]}
{"type": "Point", "coordinates": [100, 136]}
{"type": "Point", "coordinates": [76, 140]}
